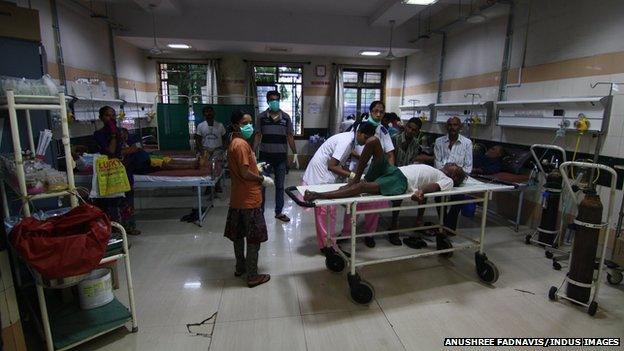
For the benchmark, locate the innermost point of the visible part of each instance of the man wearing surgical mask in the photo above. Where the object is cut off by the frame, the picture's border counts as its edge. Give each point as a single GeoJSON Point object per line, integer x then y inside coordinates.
{"type": "Point", "coordinates": [274, 134]}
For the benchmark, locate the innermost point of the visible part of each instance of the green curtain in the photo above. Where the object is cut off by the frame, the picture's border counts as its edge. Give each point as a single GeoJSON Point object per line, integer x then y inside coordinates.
{"type": "Point", "coordinates": [173, 126]}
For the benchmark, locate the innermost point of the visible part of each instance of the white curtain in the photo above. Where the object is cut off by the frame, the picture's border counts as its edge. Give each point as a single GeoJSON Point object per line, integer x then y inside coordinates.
{"type": "Point", "coordinates": [337, 100]}
{"type": "Point", "coordinates": [212, 86]}
{"type": "Point", "coordinates": [250, 87]}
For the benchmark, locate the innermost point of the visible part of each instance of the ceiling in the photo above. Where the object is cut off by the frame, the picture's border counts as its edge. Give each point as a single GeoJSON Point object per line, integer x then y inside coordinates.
{"type": "Point", "coordinates": [221, 47]}
{"type": "Point", "coordinates": [338, 28]}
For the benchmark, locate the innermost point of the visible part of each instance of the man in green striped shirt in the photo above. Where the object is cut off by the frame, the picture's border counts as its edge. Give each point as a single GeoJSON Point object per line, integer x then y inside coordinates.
{"type": "Point", "coordinates": [406, 149]}
{"type": "Point", "coordinates": [407, 143]}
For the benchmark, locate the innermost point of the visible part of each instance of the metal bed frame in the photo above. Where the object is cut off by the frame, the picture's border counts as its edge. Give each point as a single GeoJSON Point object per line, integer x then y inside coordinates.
{"type": "Point", "coordinates": [361, 291]}
{"type": "Point", "coordinates": [194, 183]}
{"type": "Point", "coordinates": [198, 184]}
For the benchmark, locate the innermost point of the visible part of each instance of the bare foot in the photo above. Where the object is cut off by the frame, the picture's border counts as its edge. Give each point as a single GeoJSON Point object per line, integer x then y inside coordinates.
{"type": "Point", "coordinates": [309, 196]}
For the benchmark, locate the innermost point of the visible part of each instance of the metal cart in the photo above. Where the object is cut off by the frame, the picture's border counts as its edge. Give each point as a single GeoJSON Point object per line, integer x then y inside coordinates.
{"type": "Point", "coordinates": [64, 325]}
{"type": "Point", "coordinates": [531, 238]}
{"type": "Point", "coordinates": [555, 292]}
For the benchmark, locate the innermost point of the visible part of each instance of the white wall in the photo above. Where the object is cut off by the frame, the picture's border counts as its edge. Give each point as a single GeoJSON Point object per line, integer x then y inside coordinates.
{"type": "Point", "coordinates": [571, 44]}
{"type": "Point", "coordinates": [558, 31]}
{"type": "Point", "coordinates": [87, 54]}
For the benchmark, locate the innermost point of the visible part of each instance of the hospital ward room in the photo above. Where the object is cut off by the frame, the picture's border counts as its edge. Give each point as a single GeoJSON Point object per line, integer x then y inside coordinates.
{"type": "Point", "coordinates": [311, 175]}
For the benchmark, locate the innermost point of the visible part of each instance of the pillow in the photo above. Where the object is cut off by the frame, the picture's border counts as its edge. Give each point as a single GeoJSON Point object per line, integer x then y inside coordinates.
{"type": "Point", "coordinates": [514, 160]}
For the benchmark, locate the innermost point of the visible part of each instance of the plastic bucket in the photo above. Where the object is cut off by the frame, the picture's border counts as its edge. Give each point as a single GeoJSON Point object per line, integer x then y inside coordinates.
{"type": "Point", "coordinates": [96, 289]}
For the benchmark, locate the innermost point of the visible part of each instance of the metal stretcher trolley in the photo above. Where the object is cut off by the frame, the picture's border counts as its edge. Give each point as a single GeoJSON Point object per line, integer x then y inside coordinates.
{"type": "Point", "coordinates": [361, 291]}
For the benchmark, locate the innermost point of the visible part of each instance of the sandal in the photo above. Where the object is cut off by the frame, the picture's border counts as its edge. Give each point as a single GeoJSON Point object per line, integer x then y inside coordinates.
{"type": "Point", "coordinates": [258, 280]}
{"type": "Point", "coordinates": [239, 273]}
{"type": "Point", "coordinates": [282, 217]}
{"type": "Point", "coordinates": [415, 243]}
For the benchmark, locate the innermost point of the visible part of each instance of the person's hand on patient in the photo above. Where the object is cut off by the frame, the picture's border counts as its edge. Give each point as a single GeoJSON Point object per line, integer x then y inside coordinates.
{"type": "Point", "coordinates": [418, 196]}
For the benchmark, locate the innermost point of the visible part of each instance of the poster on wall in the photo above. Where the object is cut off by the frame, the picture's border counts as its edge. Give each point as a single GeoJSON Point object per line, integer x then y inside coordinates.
{"type": "Point", "coordinates": [314, 108]}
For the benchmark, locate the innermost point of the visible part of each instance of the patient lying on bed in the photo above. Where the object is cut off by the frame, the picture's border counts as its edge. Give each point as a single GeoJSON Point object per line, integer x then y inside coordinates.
{"type": "Point", "coordinates": [142, 162]}
{"type": "Point", "coordinates": [385, 179]}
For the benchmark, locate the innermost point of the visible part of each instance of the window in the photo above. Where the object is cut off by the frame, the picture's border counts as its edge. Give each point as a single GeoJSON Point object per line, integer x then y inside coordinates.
{"type": "Point", "coordinates": [182, 79]}
{"type": "Point", "coordinates": [361, 87]}
{"type": "Point", "coordinates": [288, 81]}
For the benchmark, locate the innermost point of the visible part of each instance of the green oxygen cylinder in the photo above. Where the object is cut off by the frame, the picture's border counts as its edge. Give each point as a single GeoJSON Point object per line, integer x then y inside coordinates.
{"type": "Point", "coordinates": [547, 230]}
{"type": "Point", "coordinates": [582, 262]}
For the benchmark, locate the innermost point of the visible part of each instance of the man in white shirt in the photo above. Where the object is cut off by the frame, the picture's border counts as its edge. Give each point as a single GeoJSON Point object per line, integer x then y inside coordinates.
{"type": "Point", "coordinates": [453, 148]}
{"type": "Point", "coordinates": [210, 134]}
{"type": "Point", "coordinates": [371, 220]}
{"type": "Point", "coordinates": [325, 167]}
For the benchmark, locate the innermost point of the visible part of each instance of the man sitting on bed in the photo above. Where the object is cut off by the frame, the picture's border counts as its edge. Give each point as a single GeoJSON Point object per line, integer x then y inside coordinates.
{"type": "Point", "coordinates": [385, 179]}
{"type": "Point", "coordinates": [140, 161]}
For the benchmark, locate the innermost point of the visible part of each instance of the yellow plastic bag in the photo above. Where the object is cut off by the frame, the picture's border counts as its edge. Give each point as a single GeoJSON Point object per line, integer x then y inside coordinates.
{"type": "Point", "coordinates": [111, 176]}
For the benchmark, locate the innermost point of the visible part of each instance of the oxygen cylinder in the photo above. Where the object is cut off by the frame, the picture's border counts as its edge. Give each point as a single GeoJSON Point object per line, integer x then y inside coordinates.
{"type": "Point", "coordinates": [585, 246]}
{"type": "Point", "coordinates": [550, 207]}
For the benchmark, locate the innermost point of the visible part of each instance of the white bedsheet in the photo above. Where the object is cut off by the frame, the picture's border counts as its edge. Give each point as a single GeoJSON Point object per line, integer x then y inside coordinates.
{"type": "Point", "coordinates": [469, 186]}
{"type": "Point", "coordinates": [146, 178]}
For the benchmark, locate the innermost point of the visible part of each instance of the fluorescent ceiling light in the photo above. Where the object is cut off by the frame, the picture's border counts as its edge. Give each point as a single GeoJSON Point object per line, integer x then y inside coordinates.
{"type": "Point", "coordinates": [179, 46]}
{"type": "Point", "coordinates": [476, 18]}
{"type": "Point", "coordinates": [370, 53]}
{"type": "Point", "coordinates": [419, 2]}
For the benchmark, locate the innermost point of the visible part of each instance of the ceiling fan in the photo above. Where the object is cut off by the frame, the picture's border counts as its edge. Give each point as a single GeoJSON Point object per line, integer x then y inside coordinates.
{"type": "Point", "coordinates": [390, 55]}
{"type": "Point", "coordinates": [155, 50]}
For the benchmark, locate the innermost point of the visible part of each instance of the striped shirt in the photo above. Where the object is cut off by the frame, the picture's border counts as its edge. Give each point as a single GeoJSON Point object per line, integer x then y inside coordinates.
{"type": "Point", "coordinates": [460, 153]}
{"type": "Point", "coordinates": [274, 144]}
{"type": "Point", "coordinates": [405, 156]}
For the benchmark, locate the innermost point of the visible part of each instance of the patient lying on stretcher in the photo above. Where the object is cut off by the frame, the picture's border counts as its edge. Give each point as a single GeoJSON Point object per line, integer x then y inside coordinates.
{"type": "Point", "coordinates": [140, 161]}
{"type": "Point", "coordinates": [385, 179]}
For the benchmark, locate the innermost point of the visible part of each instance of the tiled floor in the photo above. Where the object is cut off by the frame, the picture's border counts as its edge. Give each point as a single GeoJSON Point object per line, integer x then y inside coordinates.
{"type": "Point", "coordinates": [183, 274]}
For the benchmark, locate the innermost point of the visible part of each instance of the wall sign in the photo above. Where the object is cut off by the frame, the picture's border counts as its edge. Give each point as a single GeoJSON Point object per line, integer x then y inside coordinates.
{"type": "Point", "coordinates": [320, 71]}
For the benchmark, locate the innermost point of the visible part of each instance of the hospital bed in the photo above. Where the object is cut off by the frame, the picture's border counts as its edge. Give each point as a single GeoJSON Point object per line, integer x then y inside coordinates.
{"type": "Point", "coordinates": [335, 259]}
{"type": "Point", "coordinates": [207, 176]}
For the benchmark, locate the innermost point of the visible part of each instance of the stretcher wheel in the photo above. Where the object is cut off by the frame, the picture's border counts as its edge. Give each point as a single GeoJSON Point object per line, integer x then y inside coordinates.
{"type": "Point", "coordinates": [548, 254]}
{"type": "Point", "coordinates": [552, 293]}
{"type": "Point", "coordinates": [615, 278]}
{"type": "Point", "coordinates": [488, 272]}
{"type": "Point", "coordinates": [593, 307]}
{"type": "Point", "coordinates": [556, 265]}
{"type": "Point", "coordinates": [442, 244]}
{"type": "Point", "coordinates": [334, 262]}
{"type": "Point", "coordinates": [527, 239]}
{"type": "Point", "coordinates": [135, 330]}
{"type": "Point", "coordinates": [362, 292]}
